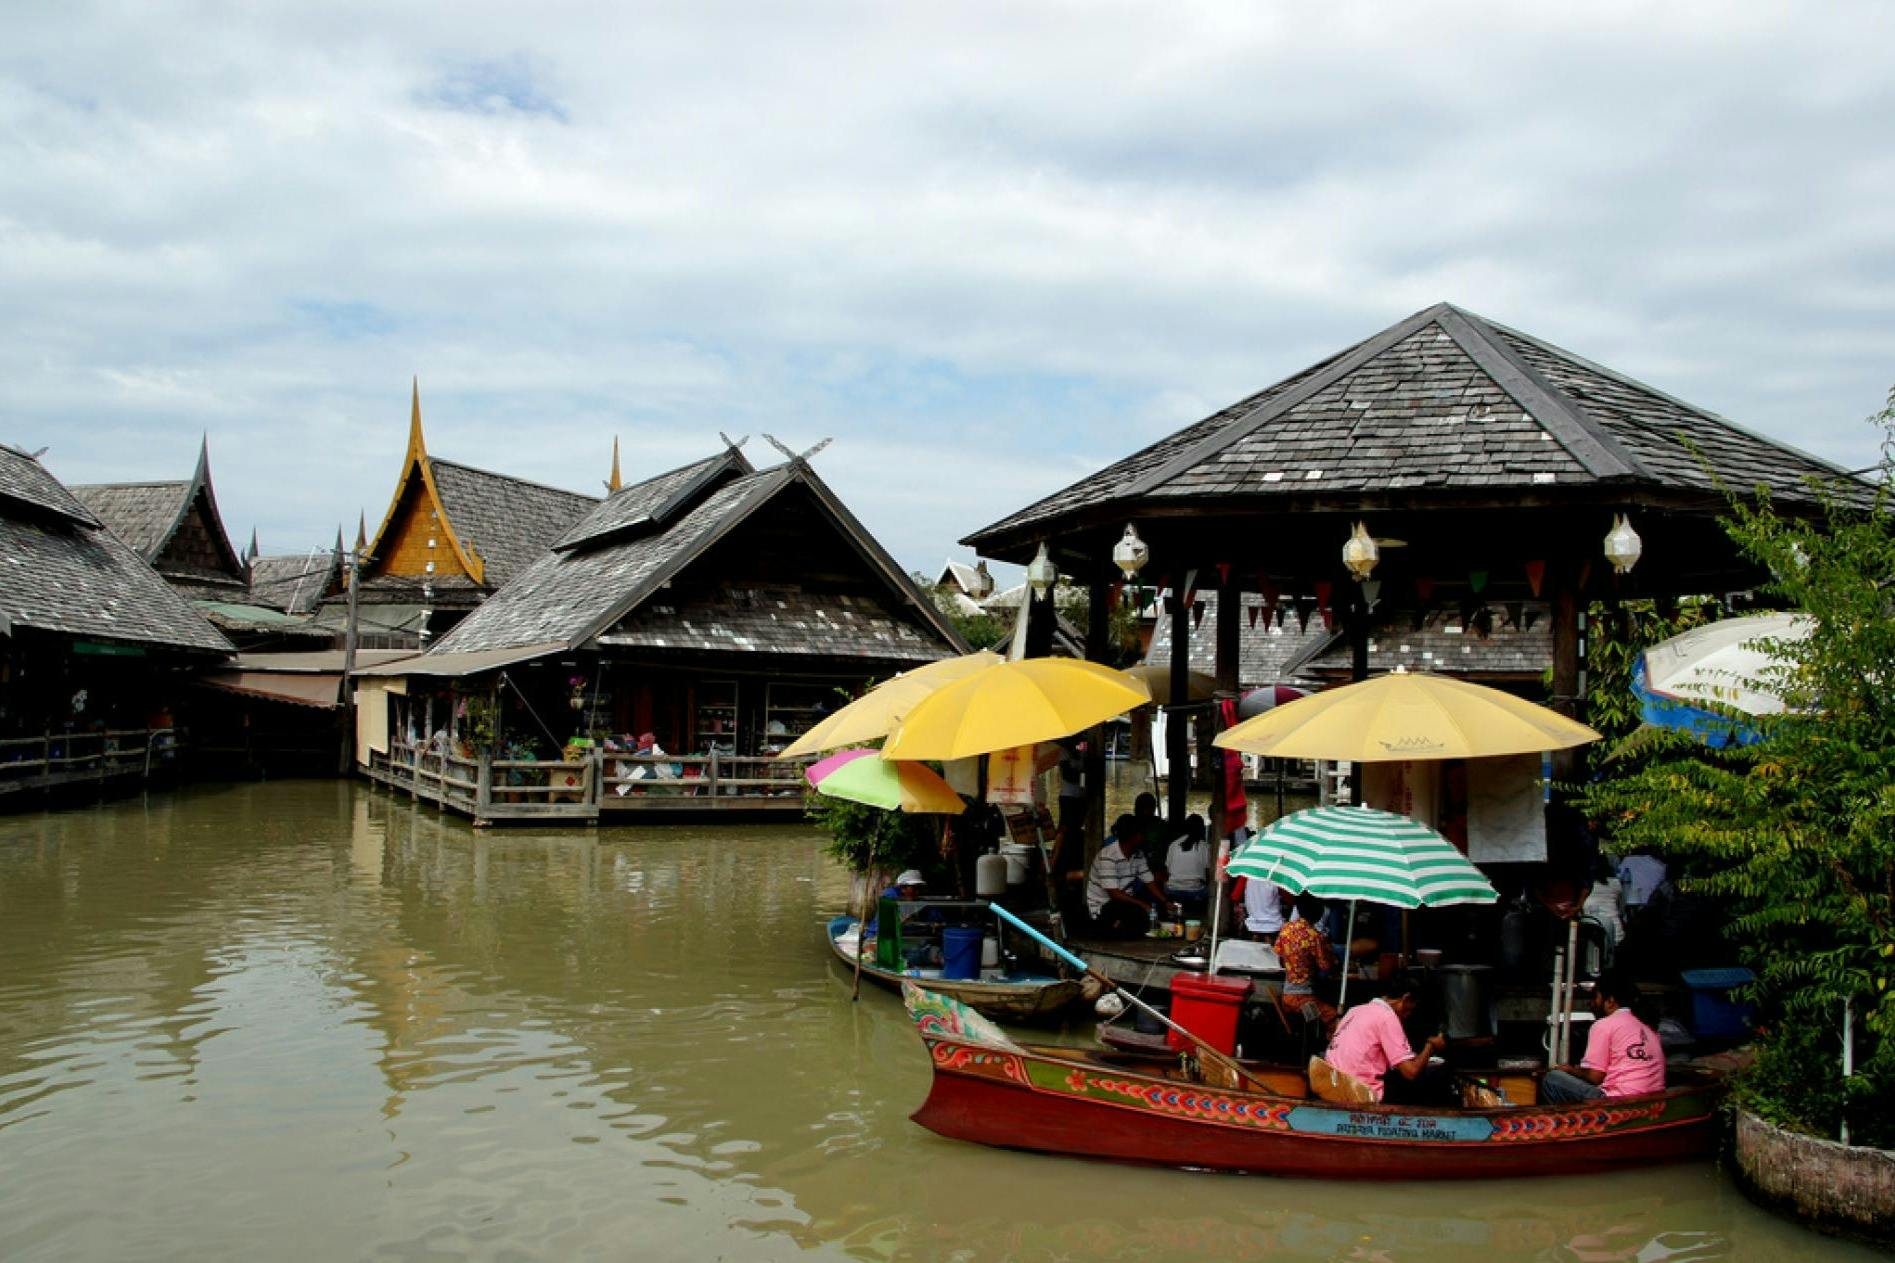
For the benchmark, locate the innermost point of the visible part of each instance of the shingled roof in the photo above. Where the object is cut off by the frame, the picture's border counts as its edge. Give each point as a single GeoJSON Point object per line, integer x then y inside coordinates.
{"type": "Point", "coordinates": [508, 521]}
{"type": "Point", "coordinates": [175, 526]}
{"type": "Point", "coordinates": [62, 572]}
{"type": "Point", "coordinates": [297, 583]}
{"type": "Point", "coordinates": [601, 584]}
{"type": "Point", "coordinates": [1441, 403]}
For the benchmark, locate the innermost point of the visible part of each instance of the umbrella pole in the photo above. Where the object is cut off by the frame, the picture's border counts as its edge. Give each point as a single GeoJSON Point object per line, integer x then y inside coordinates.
{"type": "Point", "coordinates": [1348, 947]}
{"type": "Point", "coordinates": [1217, 904]}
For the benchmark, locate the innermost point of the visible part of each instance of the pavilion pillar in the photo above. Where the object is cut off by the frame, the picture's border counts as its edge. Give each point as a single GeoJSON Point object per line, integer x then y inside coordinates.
{"type": "Point", "coordinates": [1356, 628]}
{"type": "Point", "coordinates": [1042, 615]}
{"type": "Point", "coordinates": [1230, 609]}
{"type": "Point", "coordinates": [1177, 716]}
{"type": "Point", "coordinates": [1098, 649]}
{"type": "Point", "coordinates": [1567, 653]}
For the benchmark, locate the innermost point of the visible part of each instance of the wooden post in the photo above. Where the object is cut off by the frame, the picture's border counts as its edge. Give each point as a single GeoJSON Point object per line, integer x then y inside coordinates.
{"type": "Point", "coordinates": [1565, 698]}
{"type": "Point", "coordinates": [1177, 725]}
{"type": "Point", "coordinates": [1357, 628]}
{"type": "Point", "coordinates": [483, 784]}
{"type": "Point", "coordinates": [1098, 649]}
{"type": "Point", "coordinates": [1230, 609]}
{"type": "Point", "coordinates": [713, 771]}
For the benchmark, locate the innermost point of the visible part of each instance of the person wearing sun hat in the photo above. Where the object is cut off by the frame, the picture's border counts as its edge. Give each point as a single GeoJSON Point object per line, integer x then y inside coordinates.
{"type": "Point", "coordinates": [907, 886]}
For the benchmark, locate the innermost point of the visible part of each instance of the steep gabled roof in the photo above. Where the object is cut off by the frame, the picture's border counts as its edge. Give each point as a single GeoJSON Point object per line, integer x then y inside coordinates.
{"type": "Point", "coordinates": [643, 537]}
{"type": "Point", "coordinates": [147, 515]}
{"type": "Point", "coordinates": [62, 572]}
{"type": "Point", "coordinates": [493, 523]}
{"type": "Point", "coordinates": [1443, 401]}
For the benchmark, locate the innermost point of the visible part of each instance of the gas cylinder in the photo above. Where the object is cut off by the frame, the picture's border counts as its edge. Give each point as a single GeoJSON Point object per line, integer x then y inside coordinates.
{"type": "Point", "coordinates": [990, 875]}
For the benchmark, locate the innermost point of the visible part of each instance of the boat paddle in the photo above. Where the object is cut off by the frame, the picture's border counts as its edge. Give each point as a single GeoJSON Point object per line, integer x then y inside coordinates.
{"type": "Point", "coordinates": [1208, 1052]}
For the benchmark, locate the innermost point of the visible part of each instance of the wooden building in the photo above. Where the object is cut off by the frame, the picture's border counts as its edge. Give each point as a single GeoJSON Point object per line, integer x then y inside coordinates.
{"type": "Point", "coordinates": [453, 535]}
{"type": "Point", "coordinates": [1499, 460]}
{"type": "Point", "coordinates": [721, 608]}
{"type": "Point", "coordinates": [96, 648]}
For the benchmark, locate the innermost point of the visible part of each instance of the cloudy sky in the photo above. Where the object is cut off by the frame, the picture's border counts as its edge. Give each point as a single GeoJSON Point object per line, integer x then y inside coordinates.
{"type": "Point", "coordinates": [988, 247]}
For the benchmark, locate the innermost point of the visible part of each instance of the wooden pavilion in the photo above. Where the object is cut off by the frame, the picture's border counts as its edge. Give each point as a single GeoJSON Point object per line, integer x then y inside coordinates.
{"type": "Point", "coordinates": [1500, 460]}
{"type": "Point", "coordinates": [95, 647]}
{"type": "Point", "coordinates": [719, 607]}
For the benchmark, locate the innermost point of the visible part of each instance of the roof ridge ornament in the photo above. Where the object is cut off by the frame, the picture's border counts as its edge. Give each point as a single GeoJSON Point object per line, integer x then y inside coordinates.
{"type": "Point", "coordinates": [793, 457]}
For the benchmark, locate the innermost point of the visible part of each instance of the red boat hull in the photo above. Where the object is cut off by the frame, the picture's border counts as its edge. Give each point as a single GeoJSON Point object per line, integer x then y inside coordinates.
{"type": "Point", "coordinates": [1020, 1099]}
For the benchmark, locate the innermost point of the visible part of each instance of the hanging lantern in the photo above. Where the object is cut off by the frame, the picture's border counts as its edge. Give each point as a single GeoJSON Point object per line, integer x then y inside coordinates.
{"type": "Point", "coordinates": [1623, 547]}
{"type": "Point", "coordinates": [1041, 572]}
{"type": "Point", "coordinates": [1130, 554]}
{"type": "Point", "coordinates": [1360, 553]}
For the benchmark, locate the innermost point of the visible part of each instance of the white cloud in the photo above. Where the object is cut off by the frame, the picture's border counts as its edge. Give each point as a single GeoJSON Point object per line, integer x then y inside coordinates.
{"type": "Point", "coordinates": [990, 247]}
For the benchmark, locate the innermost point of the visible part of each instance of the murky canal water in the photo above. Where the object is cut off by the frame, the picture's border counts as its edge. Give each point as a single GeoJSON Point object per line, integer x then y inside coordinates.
{"type": "Point", "coordinates": [310, 1020]}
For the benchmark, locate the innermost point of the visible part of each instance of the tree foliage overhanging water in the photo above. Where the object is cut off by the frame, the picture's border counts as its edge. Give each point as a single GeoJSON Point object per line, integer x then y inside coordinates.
{"type": "Point", "coordinates": [1797, 832]}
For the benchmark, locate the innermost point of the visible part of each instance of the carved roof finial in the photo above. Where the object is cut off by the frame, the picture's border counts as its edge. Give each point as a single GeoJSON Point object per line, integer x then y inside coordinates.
{"type": "Point", "coordinates": [416, 447]}
{"type": "Point", "coordinates": [613, 483]}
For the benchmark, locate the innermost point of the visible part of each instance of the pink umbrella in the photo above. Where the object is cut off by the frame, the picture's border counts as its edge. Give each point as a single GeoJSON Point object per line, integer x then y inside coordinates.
{"type": "Point", "coordinates": [1267, 697]}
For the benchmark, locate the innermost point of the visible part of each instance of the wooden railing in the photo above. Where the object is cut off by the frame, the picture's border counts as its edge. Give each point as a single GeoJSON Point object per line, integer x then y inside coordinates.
{"type": "Point", "coordinates": [714, 775]}
{"type": "Point", "coordinates": [489, 788]}
{"type": "Point", "coordinates": [64, 757]}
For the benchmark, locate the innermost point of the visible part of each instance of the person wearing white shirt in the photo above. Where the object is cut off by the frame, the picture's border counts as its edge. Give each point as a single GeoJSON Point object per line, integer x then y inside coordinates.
{"type": "Point", "coordinates": [1188, 865]}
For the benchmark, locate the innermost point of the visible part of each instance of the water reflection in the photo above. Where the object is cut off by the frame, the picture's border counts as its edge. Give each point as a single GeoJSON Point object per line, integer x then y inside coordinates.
{"type": "Point", "coordinates": [318, 1010]}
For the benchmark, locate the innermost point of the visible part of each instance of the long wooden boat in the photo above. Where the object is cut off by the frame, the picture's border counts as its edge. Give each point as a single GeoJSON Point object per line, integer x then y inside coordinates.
{"type": "Point", "coordinates": [992, 1090]}
{"type": "Point", "coordinates": [1006, 997]}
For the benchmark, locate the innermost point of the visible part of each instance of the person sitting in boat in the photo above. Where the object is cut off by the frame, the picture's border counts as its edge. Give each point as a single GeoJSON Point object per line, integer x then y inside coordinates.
{"type": "Point", "coordinates": [1121, 889]}
{"type": "Point", "coordinates": [907, 886]}
{"type": "Point", "coordinates": [1371, 1045]}
{"type": "Point", "coordinates": [1188, 866]}
{"type": "Point", "coordinates": [1307, 959]}
{"type": "Point", "coordinates": [1623, 1055]}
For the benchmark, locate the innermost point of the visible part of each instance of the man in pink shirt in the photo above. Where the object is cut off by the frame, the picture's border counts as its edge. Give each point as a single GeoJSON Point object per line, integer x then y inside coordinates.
{"type": "Point", "coordinates": [1623, 1056]}
{"type": "Point", "coordinates": [1369, 1042]}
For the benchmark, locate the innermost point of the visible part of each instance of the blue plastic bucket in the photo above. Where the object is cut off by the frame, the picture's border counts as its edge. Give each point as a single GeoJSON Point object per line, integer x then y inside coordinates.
{"type": "Point", "coordinates": [960, 953]}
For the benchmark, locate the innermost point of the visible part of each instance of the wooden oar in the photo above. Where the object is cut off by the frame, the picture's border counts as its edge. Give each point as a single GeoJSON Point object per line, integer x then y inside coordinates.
{"type": "Point", "coordinates": [1208, 1052]}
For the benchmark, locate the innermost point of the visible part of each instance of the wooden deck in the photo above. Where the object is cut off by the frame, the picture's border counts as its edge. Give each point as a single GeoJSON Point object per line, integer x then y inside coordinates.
{"type": "Point", "coordinates": [598, 786]}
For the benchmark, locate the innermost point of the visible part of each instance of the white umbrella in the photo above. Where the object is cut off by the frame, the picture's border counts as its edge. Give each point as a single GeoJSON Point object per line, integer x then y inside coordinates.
{"type": "Point", "coordinates": [1721, 662]}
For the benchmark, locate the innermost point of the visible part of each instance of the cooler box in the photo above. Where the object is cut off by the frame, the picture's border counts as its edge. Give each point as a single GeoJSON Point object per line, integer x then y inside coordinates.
{"type": "Point", "coordinates": [1208, 1007]}
{"type": "Point", "coordinates": [1713, 1013]}
{"type": "Point", "coordinates": [960, 953]}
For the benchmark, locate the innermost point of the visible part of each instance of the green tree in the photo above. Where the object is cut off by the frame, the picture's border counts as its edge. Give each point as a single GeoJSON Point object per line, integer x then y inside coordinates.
{"type": "Point", "coordinates": [1797, 832]}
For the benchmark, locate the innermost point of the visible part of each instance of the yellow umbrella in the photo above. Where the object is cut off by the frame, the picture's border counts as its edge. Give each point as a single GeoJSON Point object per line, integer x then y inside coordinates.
{"type": "Point", "coordinates": [1405, 715]}
{"type": "Point", "coordinates": [875, 714]}
{"type": "Point", "coordinates": [1198, 687]}
{"type": "Point", "coordinates": [1013, 704]}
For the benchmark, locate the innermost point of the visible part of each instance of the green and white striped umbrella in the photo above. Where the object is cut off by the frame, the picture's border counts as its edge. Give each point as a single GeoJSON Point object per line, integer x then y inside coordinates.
{"type": "Point", "coordinates": [1359, 853]}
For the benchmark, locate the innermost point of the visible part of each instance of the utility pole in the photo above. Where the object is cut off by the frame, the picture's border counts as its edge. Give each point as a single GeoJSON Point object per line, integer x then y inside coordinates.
{"type": "Point", "coordinates": [350, 635]}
